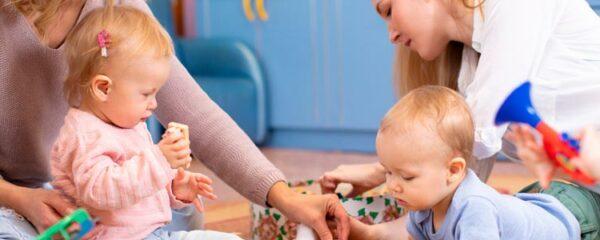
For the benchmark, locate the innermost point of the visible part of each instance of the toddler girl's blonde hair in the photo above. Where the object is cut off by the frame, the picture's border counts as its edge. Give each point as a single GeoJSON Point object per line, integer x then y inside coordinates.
{"type": "Point", "coordinates": [440, 109]}
{"type": "Point", "coordinates": [131, 33]}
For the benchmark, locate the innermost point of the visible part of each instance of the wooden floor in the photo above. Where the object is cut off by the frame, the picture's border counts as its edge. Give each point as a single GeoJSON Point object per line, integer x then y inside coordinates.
{"type": "Point", "coordinates": [231, 212]}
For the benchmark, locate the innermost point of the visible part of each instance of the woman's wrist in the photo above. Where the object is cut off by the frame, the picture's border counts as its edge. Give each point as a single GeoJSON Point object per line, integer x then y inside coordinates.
{"type": "Point", "coordinates": [10, 200]}
{"type": "Point", "coordinates": [278, 195]}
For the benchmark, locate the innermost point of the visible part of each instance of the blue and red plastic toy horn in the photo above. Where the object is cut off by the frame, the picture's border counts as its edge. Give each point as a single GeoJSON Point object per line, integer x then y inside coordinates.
{"type": "Point", "coordinates": [560, 148]}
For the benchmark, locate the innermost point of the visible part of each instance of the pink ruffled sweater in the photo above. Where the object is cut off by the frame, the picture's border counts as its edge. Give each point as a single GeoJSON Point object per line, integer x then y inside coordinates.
{"type": "Point", "coordinates": [117, 174]}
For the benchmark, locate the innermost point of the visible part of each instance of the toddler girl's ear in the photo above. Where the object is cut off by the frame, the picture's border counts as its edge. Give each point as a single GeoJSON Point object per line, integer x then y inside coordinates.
{"type": "Point", "coordinates": [456, 169]}
{"type": "Point", "coordinates": [101, 85]}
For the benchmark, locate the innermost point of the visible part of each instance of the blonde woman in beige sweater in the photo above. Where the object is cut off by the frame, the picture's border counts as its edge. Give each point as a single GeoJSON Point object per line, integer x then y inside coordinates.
{"type": "Point", "coordinates": [32, 108]}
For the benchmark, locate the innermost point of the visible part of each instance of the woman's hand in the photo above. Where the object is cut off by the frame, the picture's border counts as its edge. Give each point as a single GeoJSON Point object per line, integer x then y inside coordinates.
{"type": "Point", "coordinates": [531, 153]}
{"type": "Point", "coordinates": [312, 210]}
{"type": "Point", "coordinates": [176, 149]}
{"type": "Point", "coordinates": [536, 160]}
{"type": "Point", "coordinates": [363, 177]}
{"type": "Point", "coordinates": [188, 185]}
{"type": "Point", "coordinates": [43, 208]}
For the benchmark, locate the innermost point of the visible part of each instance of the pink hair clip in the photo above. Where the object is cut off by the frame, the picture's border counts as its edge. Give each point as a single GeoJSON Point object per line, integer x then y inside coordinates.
{"type": "Point", "coordinates": [103, 41]}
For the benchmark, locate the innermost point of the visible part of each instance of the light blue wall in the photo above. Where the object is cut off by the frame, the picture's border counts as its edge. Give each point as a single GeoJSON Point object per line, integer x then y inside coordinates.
{"type": "Point", "coordinates": [327, 64]}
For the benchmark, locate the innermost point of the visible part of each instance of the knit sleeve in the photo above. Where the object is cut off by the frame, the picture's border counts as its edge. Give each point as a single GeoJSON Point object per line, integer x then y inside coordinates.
{"type": "Point", "coordinates": [215, 138]}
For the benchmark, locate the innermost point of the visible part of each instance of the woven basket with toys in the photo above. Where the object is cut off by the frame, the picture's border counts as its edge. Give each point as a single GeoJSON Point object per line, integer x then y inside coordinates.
{"type": "Point", "coordinates": [372, 207]}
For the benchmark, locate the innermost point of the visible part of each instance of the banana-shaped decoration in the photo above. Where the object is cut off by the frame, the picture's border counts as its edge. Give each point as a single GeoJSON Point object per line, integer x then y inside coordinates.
{"type": "Point", "coordinates": [262, 12]}
{"type": "Point", "coordinates": [248, 10]}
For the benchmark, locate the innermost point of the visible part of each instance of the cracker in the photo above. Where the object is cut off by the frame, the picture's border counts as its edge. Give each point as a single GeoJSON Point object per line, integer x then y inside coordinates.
{"type": "Point", "coordinates": [184, 129]}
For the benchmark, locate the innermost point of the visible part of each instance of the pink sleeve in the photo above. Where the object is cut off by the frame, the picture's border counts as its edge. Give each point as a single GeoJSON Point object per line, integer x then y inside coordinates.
{"type": "Point", "coordinates": [103, 184]}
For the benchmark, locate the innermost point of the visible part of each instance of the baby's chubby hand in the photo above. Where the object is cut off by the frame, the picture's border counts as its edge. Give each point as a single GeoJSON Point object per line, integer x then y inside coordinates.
{"type": "Point", "coordinates": [176, 148]}
{"type": "Point", "coordinates": [188, 186]}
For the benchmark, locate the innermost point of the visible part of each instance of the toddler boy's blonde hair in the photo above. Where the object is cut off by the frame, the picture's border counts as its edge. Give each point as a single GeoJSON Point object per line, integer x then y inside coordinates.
{"type": "Point", "coordinates": [439, 109]}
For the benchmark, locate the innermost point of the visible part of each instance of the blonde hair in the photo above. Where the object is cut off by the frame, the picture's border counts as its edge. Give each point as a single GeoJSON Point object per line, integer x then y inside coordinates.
{"type": "Point", "coordinates": [440, 109]}
{"type": "Point", "coordinates": [132, 33]}
{"type": "Point", "coordinates": [411, 71]}
{"type": "Point", "coordinates": [46, 11]}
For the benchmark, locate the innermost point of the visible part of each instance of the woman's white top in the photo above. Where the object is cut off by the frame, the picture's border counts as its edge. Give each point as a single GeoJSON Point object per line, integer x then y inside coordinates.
{"type": "Point", "coordinates": [553, 43]}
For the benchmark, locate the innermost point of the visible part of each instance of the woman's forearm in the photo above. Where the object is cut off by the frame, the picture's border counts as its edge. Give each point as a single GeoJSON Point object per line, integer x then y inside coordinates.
{"type": "Point", "coordinates": [215, 138]}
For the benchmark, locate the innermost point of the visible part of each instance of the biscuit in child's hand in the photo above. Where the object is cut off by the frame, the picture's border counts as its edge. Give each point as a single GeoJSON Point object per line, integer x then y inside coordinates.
{"type": "Point", "coordinates": [182, 127]}
{"type": "Point", "coordinates": [173, 126]}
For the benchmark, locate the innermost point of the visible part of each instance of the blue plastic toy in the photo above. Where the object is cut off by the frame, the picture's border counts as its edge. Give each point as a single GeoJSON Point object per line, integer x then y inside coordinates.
{"type": "Point", "coordinates": [560, 148]}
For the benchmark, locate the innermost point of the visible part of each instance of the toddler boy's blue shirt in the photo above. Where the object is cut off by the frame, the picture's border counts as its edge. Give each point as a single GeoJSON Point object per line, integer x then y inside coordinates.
{"type": "Point", "coordinates": [477, 211]}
